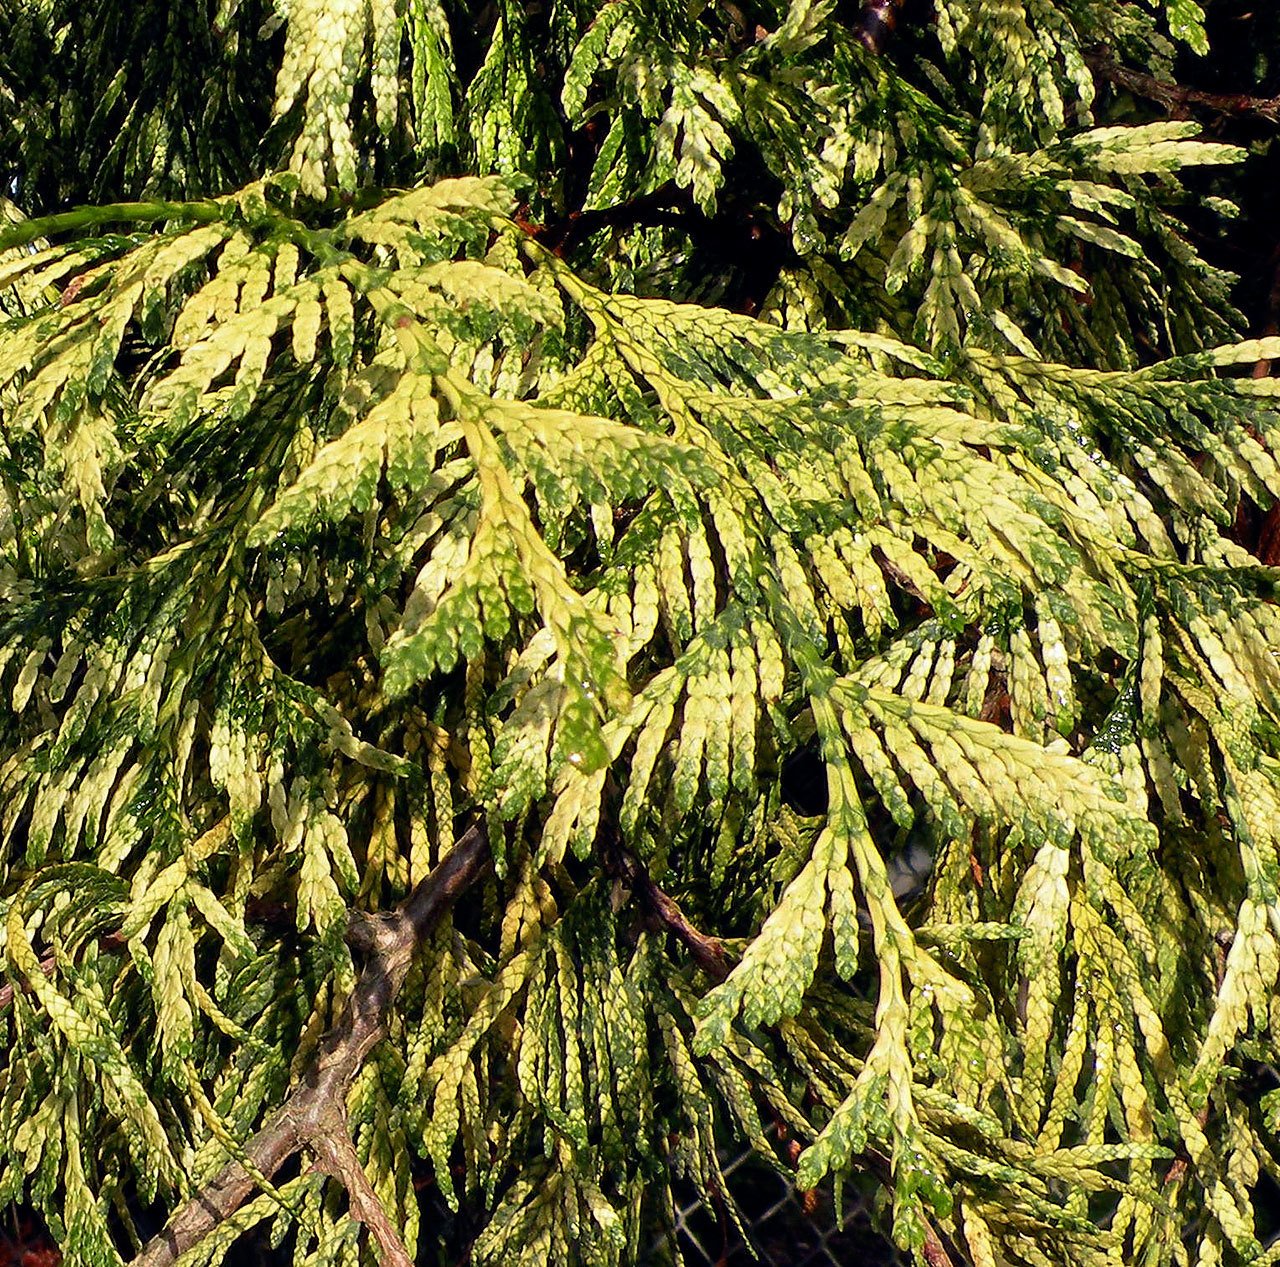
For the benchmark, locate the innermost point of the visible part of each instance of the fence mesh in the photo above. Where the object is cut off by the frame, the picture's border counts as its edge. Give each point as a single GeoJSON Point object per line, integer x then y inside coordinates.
{"type": "Point", "coordinates": [783, 1228]}
{"type": "Point", "coordinates": [786, 1229]}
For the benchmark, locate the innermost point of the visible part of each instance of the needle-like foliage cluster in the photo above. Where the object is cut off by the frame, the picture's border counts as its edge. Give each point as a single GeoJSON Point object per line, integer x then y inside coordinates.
{"type": "Point", "coordinates": [402, 456]}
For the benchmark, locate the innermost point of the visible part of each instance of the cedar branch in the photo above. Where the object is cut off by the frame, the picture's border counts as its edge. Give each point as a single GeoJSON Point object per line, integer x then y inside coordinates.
{"type": "Point", "coordinates": [934, 1251]}
{"type": "Point", "coordinates": [1177, 99]}
{"type": "Point", "coordinates": [314, 1112]}
{"type": "Point", "coordinates": [109, 942]}
{"type": "Point", "coordinates": [708, 952]}
{"type": "Point", "coordinates": [337, 1158]}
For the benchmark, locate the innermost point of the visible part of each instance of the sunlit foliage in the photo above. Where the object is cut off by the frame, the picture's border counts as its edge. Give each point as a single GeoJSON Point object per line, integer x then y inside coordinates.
{"type": "Point", "coordinates": [383, 458]}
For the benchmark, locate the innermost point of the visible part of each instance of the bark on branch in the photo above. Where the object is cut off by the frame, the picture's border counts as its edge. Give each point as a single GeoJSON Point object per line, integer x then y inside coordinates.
{"type": "Point", "coordinates": [314, 1113]}
{"type": "Point", "coordinates": [1175, 98]}
{"type": "Point", "coordinates": [660, 908]}
{"type": "Point", "coordinates": [112, 943]}
{"type": "Point", "coordinates": [708, 952]}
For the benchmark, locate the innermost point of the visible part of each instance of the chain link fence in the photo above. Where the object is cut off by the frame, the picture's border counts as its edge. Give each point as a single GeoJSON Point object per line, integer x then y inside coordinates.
{"type": "Point", "coordinates": [784, 1228]}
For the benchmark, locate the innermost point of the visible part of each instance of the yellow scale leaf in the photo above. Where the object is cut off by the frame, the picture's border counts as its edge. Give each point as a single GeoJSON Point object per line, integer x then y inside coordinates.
{"type": "Point", "coordinates": [175, 971]}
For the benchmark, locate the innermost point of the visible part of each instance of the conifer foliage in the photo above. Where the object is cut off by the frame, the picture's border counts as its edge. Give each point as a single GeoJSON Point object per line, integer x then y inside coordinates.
{"type": "Point", "coordinates": [473, 653]}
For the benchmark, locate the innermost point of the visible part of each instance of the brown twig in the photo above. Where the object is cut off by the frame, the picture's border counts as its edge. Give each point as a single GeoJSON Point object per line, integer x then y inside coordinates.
{"type": "Point", "coordinates": [708, 952]}
{"type": "Point", "coordinates": [313, 1114]}
{"type": "Point", "coordinates": [109, 942]}
{"type": "Point", "coordinates": [337, 1157]}
{"type": "Point", "coordinates": [1177, 99]}
{"type": "Point", "coordinates": [47, 965]}
{"type": "Point", "coordinates": [661, 207]}
{"type": "Point", "coordinates": [934, 1251]}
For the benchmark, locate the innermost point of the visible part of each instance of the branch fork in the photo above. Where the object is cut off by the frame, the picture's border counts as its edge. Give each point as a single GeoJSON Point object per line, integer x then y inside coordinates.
{"type": "Point", "coordinates": [314, 1114]}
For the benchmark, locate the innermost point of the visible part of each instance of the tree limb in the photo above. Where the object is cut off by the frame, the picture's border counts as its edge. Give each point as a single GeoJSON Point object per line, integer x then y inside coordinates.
{"type": "Point", "coordinates": [935, 1252]}
{"type": "Point", "coordinates": [708, 952]}
{"type": "Point", "coordinates": [337, 1157]}
{"type": "Point", "coordinates": [314, 1112]}
{"type": "Point", "coordinates": [110, 942]}
{"type": "Point", "coordinates": [1175, 98]}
